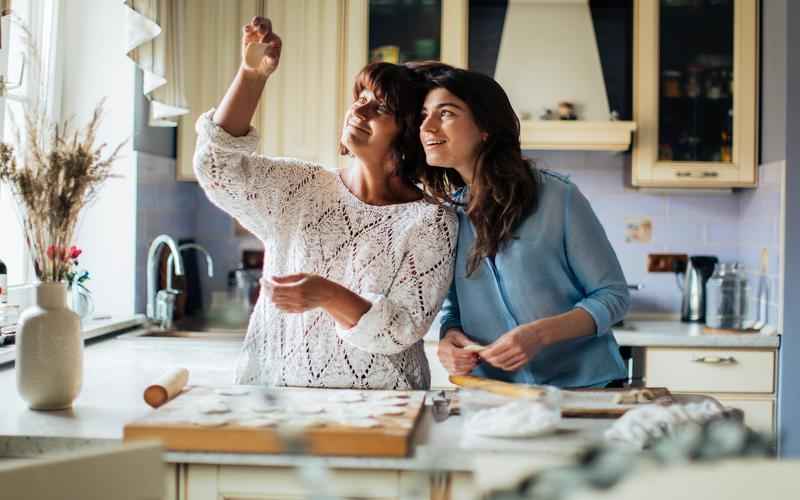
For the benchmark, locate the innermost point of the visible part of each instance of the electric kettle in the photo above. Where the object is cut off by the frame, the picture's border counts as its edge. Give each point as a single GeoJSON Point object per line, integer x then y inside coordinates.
{"type": "Point", "coordinates": [693, 287]}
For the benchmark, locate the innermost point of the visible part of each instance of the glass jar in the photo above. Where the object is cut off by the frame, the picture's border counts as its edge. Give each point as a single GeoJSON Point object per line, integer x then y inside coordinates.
{"type": "Point", "coordinates": [727, 297]}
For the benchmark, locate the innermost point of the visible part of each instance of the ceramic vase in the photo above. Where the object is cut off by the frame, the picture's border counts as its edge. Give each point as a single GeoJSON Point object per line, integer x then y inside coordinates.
{"type": "Point", "coordinates": [49, 361]}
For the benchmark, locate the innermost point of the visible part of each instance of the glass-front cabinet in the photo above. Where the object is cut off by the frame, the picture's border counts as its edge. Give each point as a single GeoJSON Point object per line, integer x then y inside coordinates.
{"type": "Point", "coordinates": [402, 30]}
{"type": "Point", "coordinates": [565, 94]}
{"type": "Point", "coordinates": [696, 93]}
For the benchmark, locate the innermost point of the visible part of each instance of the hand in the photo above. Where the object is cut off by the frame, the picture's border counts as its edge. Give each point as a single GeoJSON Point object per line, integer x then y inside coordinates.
{"type": "Point", "coordinates": [517, 347]}
{"type": "Point", "coordinates": [297, 293]}
{"type": "Point", "coordinates": [455, 359]}
{"type": "Point", "coordinates": [261, 48]}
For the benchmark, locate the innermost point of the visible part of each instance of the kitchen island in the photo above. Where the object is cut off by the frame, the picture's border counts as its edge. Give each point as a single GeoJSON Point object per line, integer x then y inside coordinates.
{"type": "Point", "coordinates": [117, 369]}
{"type": "Point", "coordinates": [445, 460]}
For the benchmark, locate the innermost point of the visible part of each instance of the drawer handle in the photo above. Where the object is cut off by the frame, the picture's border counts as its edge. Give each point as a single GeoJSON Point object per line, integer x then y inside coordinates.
{"type": "Point", "coordinates": [683, 174]}
{"type": "Point", "coordinates": [715, 360]}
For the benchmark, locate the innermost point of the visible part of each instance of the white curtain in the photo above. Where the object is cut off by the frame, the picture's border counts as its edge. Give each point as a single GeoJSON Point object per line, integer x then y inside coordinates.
{"type": "Point", "coordinates": [155, 29]}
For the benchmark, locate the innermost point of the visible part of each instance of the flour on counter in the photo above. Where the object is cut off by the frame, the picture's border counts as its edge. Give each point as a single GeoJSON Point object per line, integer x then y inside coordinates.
{"type": "Point", "coordinates": [516, 419]}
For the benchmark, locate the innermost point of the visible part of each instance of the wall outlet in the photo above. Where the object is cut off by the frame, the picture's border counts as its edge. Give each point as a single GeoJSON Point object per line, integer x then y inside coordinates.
{"type": "Point", "coordinates": [667, 262]}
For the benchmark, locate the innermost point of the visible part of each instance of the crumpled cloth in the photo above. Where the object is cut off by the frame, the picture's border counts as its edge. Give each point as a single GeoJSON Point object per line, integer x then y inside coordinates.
{"type": "Point", "coordinates": [641, 426]}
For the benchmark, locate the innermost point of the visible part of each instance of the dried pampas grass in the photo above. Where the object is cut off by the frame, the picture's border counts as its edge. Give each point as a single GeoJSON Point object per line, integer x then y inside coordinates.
{"type": "Point", "coordinates": [53, 174]}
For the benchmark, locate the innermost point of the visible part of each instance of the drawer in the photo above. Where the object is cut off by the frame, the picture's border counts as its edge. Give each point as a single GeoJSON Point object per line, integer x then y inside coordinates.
{"type": "Point", "coordinates": [710, 370]}
{"type": "Point", "coordinates": [759, 414]}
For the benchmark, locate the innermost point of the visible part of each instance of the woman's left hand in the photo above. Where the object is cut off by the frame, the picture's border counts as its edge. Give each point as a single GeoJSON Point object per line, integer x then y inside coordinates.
{"type": "Point", "coordinates": [297, 293]}
{"type": "Point", "coordinates": [515, 348]}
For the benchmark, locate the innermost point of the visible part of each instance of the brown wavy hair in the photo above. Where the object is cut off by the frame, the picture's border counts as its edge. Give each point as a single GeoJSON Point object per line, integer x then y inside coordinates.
{"type": "Point", "coordinates": [403, 91]}
{"type": "Point", "coordinates": [505, 185]}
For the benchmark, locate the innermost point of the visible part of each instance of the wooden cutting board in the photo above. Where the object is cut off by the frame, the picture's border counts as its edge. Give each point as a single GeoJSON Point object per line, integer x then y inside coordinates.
{"type": "Point", "coordinates": [182, 425]}
{"type": "Point", "coordinates": [602, 403]}
{"type": "Point", "coordinates": [575, 403]}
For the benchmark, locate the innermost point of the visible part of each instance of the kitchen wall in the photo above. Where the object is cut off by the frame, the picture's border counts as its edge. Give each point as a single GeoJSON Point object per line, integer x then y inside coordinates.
{"type": "Point", "coordinates": [91, 49]}
{"type": "Point", "coordinates": [707, 222]}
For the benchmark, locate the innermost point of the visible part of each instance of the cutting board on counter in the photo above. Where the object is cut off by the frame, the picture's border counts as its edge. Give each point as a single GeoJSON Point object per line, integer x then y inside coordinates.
{"type": "Point", "coordinates": [301, 420]}
{"type": "Point", "coordinates": [604, 403]}
{"type": "Point", "coordinates": [575, 403]}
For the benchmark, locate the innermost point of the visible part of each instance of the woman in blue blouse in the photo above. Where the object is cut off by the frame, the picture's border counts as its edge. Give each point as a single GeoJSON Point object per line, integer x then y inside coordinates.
{"type": "Point", "coordinates": [536, 281]}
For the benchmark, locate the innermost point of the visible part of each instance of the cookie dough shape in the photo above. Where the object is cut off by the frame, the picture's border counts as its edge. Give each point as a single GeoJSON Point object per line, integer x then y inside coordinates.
{"type": "Point", "coordinates": [346, 397]}
{"type": "Point", "coordinates": [211, 421]}
{"type": "Point", "coordinates": [215, 408]}
{"type": "Point", "coordinates": [474, 347]}
{"type": "Point", "coordinates": [232, 391]}
{"type": "Point", "coordinates": [259, 422]}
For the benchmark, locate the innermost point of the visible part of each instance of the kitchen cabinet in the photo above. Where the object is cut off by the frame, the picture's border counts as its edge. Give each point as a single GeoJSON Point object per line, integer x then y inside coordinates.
{"type": "Point", "coordinates": [696, 93]}
{"type": "Point", "coordinates": [299, 114]}
{"type": "Point", "coordinates": [741, 378]}
{"type": "Point", "coordinates": [369, 25]}
{"type": "Point", "coordinates": [229, 482]}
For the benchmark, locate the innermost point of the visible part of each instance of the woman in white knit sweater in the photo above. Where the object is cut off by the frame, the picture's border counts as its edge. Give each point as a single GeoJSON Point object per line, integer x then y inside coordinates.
{"type": "Point", "coordinates": [357, 262]}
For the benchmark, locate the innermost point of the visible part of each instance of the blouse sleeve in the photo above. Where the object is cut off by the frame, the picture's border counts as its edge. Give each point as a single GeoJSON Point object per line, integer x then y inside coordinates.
{"type": "Point", "coordinates": [257, 190]}
{"type": "Point", "coordinates": [450, 315]}
{"type": "Point", "coordinates": [594, 263]}
{"type": "Point", "coordinates": [400, 316]}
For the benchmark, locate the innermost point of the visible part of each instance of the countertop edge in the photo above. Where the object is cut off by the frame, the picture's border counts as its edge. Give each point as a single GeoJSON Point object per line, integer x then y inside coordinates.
{"type": "Point", "coordinates": [92, 330]}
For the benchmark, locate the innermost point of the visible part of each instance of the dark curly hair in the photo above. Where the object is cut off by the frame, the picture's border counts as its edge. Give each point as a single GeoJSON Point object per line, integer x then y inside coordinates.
{"type": "Point", "coordinates": [505, 186]}
{"type": "Point", "coordinates": [403, 91]}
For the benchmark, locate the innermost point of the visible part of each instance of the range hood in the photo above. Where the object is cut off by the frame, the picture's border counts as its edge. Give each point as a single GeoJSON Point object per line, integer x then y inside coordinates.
{"type": "Point", "coordinates": [548, 54]}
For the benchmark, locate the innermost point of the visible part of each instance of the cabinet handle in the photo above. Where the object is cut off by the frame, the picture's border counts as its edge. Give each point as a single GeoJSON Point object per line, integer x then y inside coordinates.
{"type": "Point", "coordinates": [710, 174]}
{"type": "Point", "coordinates": [683, 174]}
{"type": "Point", "coordinates": [715, 360]}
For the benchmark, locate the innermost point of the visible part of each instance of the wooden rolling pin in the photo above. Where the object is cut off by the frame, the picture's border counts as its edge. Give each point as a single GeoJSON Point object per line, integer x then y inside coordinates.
{"type": "Point", "coordinates": [166, 387]}
{"type": "Point", "coordinates": [497, 387]}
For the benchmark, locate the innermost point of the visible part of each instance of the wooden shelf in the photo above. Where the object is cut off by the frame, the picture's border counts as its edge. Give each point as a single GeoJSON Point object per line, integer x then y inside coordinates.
{"type": "Point", "coordinates": [577, 135]}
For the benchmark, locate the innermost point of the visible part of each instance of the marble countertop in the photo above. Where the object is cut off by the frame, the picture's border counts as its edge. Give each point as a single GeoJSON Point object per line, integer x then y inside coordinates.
{"type": "Point", "coordinates": [90, 330]}
{"type": "Point", "coordinates": [117, 370]}
{"type": "Point", "coordinates": [673, 333]}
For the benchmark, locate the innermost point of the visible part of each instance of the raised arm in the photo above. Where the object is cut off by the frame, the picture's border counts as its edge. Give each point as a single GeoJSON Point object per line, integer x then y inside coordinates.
{"type": "Point", "coordinates": [261, 53]}
{"type": "Point", "coordinates": [259, 191]}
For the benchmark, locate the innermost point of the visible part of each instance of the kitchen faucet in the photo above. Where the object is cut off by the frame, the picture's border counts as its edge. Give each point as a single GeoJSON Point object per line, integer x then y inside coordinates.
{"type": "Point", "coordinates": [166, 298]}
{"type": "Point", "coordinates": [159, 314]}
{"type": "Point", "coordinates": [187, 246]}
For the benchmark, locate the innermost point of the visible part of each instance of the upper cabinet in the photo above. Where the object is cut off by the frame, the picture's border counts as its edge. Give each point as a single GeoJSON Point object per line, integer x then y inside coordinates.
{"type": "Point", "coordinates": [542, 53]}
{"type": "Point", "coordinates": [696, 93]}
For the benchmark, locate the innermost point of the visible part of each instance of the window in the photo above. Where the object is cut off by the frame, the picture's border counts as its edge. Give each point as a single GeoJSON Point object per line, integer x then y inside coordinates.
{"type": "Point", "coordinates": [39, 16]}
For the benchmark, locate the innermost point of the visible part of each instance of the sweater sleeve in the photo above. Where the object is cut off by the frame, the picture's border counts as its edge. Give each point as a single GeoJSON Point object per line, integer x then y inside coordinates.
{"type": "Point", "coordinates": [400, 316]}
{"type": "Point", "coordinates": [594, 263]}
{"type": "Point", "coordinates": [450, 315]}
{"type": "Point", "coordinates": [257, 190]}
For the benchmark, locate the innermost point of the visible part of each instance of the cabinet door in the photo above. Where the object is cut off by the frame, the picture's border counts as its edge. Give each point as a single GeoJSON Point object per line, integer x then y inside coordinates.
{"type": "Point", "coordinates": [299, 114]}
{"type": "Point", "coordinates": [696, 86]}
{"type": "Point", "coordinates": [212, 482]}
{"type": "Point", "coordinates": [759, 414]}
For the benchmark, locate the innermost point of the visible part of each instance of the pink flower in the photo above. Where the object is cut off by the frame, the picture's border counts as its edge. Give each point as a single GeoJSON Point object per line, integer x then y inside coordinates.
{"type": "Point", "coordinates": [51, 252]}
{"type": "Point", "coordinates": [74, 252]}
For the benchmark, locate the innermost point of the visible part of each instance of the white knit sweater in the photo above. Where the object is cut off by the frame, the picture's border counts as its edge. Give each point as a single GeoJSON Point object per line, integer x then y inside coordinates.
{"type": "Point", "coordinates": [399, 257]}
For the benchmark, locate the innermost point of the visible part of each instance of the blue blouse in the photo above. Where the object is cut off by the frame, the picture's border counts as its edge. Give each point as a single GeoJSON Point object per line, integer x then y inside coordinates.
{"type": "Point", "coordinates": [559, 259]}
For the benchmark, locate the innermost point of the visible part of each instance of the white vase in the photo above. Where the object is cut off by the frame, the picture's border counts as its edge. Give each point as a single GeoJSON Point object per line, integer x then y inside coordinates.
{"type": "Point", "coordinates": [49, 361]}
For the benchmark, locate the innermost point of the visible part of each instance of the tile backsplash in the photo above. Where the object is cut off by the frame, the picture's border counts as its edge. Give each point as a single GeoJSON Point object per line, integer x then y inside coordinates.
{"type": "Point", "coordinates": [733, 226]}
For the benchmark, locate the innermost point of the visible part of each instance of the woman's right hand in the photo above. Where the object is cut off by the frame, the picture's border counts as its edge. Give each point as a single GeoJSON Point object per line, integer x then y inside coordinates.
{"type": "Point", "coordinates": [455, 359]}
{"type": "Point", "coordinates": [261, 47]}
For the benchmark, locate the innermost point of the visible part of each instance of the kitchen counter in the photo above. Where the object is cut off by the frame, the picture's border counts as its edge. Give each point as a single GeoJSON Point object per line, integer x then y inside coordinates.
{"type": "Point", "coordinates": [118, 369]}
{"type": "Point", "coordinates": [649, 333]}
{"type": "Point", "coordinates": [90, 330]}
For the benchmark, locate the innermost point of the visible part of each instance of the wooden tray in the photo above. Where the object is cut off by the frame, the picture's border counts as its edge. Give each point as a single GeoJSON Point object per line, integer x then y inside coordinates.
{"type": "Point", "coordinates": [575, 403]}
{"type": "Point", "coordinates": [600, 403]}
{"type": "Point", "coordinates": [173, 425]}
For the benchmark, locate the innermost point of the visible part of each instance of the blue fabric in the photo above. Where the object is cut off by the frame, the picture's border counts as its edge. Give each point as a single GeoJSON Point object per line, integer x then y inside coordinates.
{"type": "Point", "coordinates": [559, 259]}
